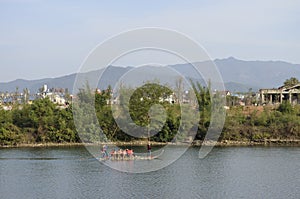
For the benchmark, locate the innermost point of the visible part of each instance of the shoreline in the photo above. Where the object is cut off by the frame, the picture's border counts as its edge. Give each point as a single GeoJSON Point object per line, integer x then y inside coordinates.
{"type": "Point", "coordinates": [197, 143]}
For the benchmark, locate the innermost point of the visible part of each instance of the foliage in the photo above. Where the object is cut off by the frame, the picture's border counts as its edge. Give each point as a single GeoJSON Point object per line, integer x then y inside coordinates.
{"type": "Point", "coordinates": [138, 104]}
{"type": "Point", "coordinates": [39, 122]}
{"type": "Point", "coordinates": [280, 123]}
{"type": "Point", "coordinates": [204, 105]}
{"type": "Point", "coordinates": [42, 121]}
{"type": "Point", "coordinates": [291, 82]}
{"type": "Point", "coordinates": [285, 107]}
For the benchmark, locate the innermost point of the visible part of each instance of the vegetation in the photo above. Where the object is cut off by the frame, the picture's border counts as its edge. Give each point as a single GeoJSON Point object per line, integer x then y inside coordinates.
{"type": "Point", "coordinates": [291, 82]}
{"type": "Point", "coordinates": [38, 122]}
{"type": "Point", "coordinates": [270, 123]}
{"type": "Point", "coordinates": [137, 103]}
{"type": "Point", "coordinates": [44, 122]}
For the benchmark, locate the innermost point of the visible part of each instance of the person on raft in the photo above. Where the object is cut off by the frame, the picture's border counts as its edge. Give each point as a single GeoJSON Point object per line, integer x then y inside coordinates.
{"type": "Point", "coordinates": [149, 149]}
{"type": "Point", "coordinates": [104, 151]}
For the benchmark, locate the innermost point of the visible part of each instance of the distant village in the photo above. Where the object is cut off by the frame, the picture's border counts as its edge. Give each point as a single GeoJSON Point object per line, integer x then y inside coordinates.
{"type": "Point", "coordinates": [59, 96]}
{"type": "Point", "coordinates": [62, 97]}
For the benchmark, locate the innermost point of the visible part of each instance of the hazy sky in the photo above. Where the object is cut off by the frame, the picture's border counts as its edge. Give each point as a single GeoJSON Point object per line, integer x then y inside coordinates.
{"type": "Point", "coordinates": [51, 38]}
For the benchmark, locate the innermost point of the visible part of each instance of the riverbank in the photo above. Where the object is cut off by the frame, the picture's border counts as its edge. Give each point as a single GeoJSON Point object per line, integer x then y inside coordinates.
{"type": "Point", "coordinates": [267, 142]}
{"type": "Point", "coordinates": [223, 143]}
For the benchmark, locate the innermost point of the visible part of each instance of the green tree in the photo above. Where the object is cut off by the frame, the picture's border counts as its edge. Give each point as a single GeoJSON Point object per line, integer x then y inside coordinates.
{"type": "Point", "coordinates": [9, 134]}
{"type": "Point", "coordinates": [291, 82]}
{"type": "Point", "coordinates": [204, 105]}
{"type": "Point", "coordinates": [145, 97]}
{"type": "Point", "coordinates": [285, 107]}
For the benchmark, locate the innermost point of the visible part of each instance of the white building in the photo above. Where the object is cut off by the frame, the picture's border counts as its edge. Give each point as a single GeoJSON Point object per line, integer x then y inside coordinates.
{"type": "Point", "coordinates": [55, 97]}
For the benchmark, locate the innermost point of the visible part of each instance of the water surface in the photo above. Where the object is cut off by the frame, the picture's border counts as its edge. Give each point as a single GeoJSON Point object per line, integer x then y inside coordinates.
{"type": "Point", "coordinates": [227, 172]}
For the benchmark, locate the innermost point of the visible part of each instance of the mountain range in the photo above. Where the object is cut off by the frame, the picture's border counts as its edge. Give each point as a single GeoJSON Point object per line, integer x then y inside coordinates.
{"type": "Point", "coordinates": [238, 75]}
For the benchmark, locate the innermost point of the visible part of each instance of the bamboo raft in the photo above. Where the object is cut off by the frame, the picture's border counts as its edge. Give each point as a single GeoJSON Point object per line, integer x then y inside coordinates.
{"type": "Point", "coordinates": [136, 156]}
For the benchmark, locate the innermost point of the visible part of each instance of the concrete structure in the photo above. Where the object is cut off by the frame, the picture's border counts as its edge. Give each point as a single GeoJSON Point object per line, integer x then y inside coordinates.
{"type": "Point", "coordinates": [277, 96]}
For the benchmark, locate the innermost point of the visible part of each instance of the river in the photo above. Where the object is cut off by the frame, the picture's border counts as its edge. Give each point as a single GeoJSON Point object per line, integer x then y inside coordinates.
{"type": "Point", "coordinates": [227, 172]}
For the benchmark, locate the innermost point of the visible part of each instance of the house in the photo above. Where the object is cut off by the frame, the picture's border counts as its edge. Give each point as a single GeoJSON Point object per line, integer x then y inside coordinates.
{"type": "Point", "coordinates": [281, 94]}
{"type": "Point", "coordinates": [56, 95]}
{"type": "Point", "coordinates": [7, 108]}
{"type": "Point", "coordinates": [171, 99]}
{"type": "Point", "coordinates": [58, 99]}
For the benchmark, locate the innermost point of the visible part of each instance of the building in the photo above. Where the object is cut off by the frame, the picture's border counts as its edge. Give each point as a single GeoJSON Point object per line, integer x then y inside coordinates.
{"type": "Point", "coordinates": [279, 95]}
{"type": "Point", "coordinates": [171, 99]}
{"type": "Point", "coordinates": [56, 95]}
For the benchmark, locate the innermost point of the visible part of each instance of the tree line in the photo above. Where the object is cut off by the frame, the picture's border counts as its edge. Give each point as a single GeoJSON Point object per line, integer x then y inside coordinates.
{"type": "Point", "coordinates": [39, 122]}
{"type": "Point", "coordinates": [44, 122]}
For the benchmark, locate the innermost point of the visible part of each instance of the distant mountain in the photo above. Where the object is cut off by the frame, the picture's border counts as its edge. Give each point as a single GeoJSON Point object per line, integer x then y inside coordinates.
{"type": "Point", "coordinates": [238, 75]}
{"type": "Point", "coordinates": [237, 87]}
{"type": "Point", "coordinates": [65, 81]}
{"type": "Point", "coordinates": [259, 74]}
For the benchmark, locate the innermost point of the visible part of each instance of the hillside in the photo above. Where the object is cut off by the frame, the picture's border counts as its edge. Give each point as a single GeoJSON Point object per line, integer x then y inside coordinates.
{"type": "Point", "coordinates": [238, 75]}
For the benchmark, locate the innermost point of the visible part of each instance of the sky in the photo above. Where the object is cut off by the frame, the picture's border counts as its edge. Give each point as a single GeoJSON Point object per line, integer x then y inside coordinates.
{"type": "Point", "coordinates": [41, 39]}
